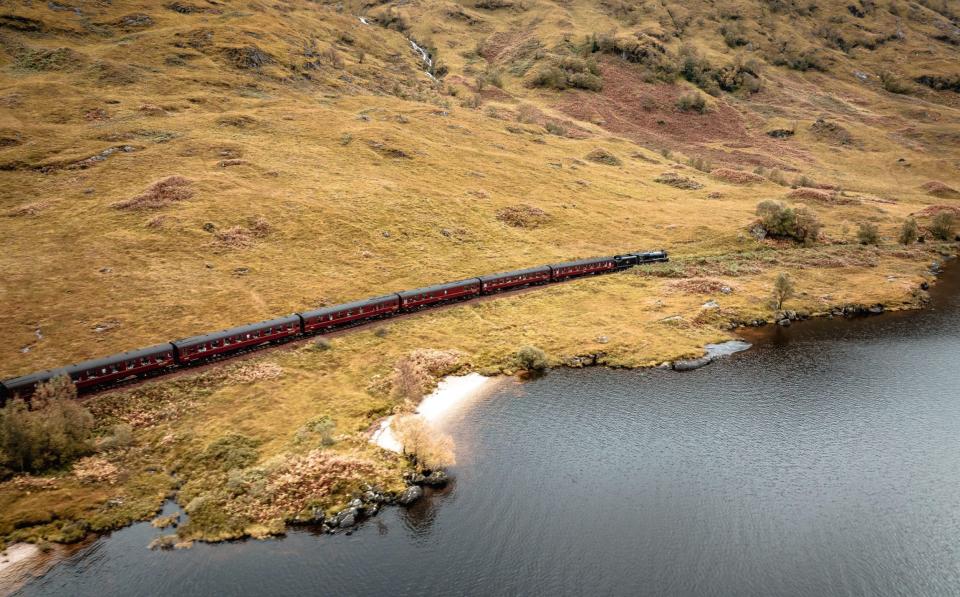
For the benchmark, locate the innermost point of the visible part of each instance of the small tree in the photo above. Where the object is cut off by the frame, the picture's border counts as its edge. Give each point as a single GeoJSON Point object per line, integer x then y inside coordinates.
{"type": "Point", "coordinates": [909, 232]}
{"type": "Point", "coordinates": [783, 290]}
{"type": "Point", "coordinates": [429, 448]}
{"type": "Point", "coordinates": [52, 431]}
{"type": "Point", "coordinates": [532, 358]}
{"type": "Point", "coordinates": [868, 234]}
{"type": "Point", "coordinates": [942, 226]}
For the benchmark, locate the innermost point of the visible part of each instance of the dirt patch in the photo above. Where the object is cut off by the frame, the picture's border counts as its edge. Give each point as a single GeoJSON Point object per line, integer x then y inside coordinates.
{"type": "Point", "coordinates": [602, 156]}
{"type": "Point", "coordinates": [678, 181]}
{"type": "Point", "coordinates": [701, 286]}
{"type": "Point", "coordinates": [159, 194]}
{"type": "Point", "coordinates": [28, 209]}
{"type": "Point", "coordinates": [933, 210]}
{"type": "Point", "coordinates": [821, 196]}
{"type": "Point", "coordinates": [830, 132]}
{"type": "Point", "coordinates": [94, 469]}
{"type": "Point", "coordinates": [240, 122]}
{"type": "Point", "coordinates": [256, 372]}
{"type": "Point", "coordinates": [240, 237]}
{"type": "Point", "coordinates": [232, 162]}
{"type": "Point", "coordinates": [247, 57]}
{"type": "Point", "coordinates": [736, 176]}
{"type": "Point", "coordinates": [646, 112]}
{"type": "Point", "coordinates": [523, 216]}
{"type": "Point", "coordinates": [940, 189]}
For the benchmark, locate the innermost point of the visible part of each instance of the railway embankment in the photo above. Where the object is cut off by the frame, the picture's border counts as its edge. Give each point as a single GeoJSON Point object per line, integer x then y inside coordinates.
{"type": "Point", "coordinates": [283, 436]}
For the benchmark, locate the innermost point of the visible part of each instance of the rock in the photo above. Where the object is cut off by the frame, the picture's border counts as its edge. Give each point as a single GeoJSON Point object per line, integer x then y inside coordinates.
{"type": "Point", "coordinates": [410, 495]}
{"type": "Point", "coordinates": [924, 286]}
{"type": "Point", "coordinates": [357, 503]}
{"type": "Point", "coordinates": [436, 479]}
{"type": "Point", "coordinates": [416, 479]}
{"type": "Point", "coordinates": [784, 323]}
{"type": "Point", "coordinates": [726, 290]}
{"type": "Point", "coordinates": [876, 309]}
{"type": "Point", "coordinates": [711, 304]}
{"type": "Point", "coordinates": [691, 364]}
{"type": "Point", "coordinates": [347, 518]}
{"type": "Point", "coordinates": [791, 315]}
{"type": "Point", "coordinates": [603, 340]}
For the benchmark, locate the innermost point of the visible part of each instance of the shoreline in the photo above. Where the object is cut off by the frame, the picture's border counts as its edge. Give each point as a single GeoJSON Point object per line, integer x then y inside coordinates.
{"type": "Point", "coordinates": [453, 393]}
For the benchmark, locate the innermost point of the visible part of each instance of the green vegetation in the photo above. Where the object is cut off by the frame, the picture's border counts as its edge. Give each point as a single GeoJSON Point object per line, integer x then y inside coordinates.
{"type": "Point", "coordinates": [779, 220]}
{"type": "Point", "coordinates": [692, 102]}
{"type": "Point", "coordinates": [50, 431]}
{"type": "Point", "coordinates": [531, 358]}
{"type": "Point", "coordinates": [909, 232]}
{"type": "Point", "coordinates": [868, 234]}
{"type": "Point", "coordinates": [567, 72]}
{"type": "Point", "coordinates": [942, 226]}
{"type": "Point", "coordinates": [783, 290]}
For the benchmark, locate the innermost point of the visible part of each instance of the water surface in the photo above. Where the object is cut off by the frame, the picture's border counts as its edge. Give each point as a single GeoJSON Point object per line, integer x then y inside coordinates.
{"type": "Point", "coordinates": [824, 461]}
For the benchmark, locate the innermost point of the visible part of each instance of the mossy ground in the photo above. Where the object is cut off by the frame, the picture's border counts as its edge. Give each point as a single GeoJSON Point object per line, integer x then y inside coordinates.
{"type": "Point", "coordinates": [321, 176]}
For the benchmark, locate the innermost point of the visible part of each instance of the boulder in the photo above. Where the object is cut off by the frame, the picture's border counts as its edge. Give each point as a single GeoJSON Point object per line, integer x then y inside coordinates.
{"type": "Point", "coordinates": [410, 495]}
{"type": "Point", "coordinates": [691, 364]}
{"type": "Point", "coordinates": [436, 479]}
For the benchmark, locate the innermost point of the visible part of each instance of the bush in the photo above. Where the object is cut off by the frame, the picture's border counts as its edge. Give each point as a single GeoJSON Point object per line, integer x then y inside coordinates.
{"type": "Point", "coordinates": [50, 432]}
{"type": "Point", "coordinates": [893, 83]}
{"type": "Point", "coordinates": [778, 220]}
{"type": "Point", "coordinates": [532, 358]}
{"type": "Point", "coordinates": [429, 448]}
{"type": "Point", "coordinates": [555, 128]}
{"type": "Point", "coordinates": [909, 232]}
{"type": "Point", "coordinates": [692, 102]}
{"type": "Point", "coordinates": [942, 226]}
{"type": "Point", "coordinates": [568, 72]}
{"type": "Point", "coordinates": [231, 451]}
{"type": "Point", "coordinates": [868, 234]}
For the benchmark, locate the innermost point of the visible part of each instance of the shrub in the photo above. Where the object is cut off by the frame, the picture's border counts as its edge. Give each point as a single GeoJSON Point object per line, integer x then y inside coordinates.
{"type": "Point", "coordinates": [868, 234]}
{"type": "Point", "coordinates": [532, 358]}
{"type": "Point", "coordinates": [778, 220]}
{"type": "Point", "coordinates": [429, 448]}
{"type": "Point", "coordinates": [568, 72]}
{"type": "Point", "coordinates": [893, 83]}
{"type": "Point", "coordinates": [692, 102]}
{"type": "Point", "coordinates": [942, 226]}
{"type": "Point", "coordinates": [783, 290]}
{"type": "Point", "coordinates": [121, 437]}
{"type": "Point", "coordinates": [494, 76]}
{"type": "Point", "coordinates": [408, 381]}
{"type": "Point", "coordinates": [700, 164]}
{"type": "Point", "coordinates": [231, 451]}
{"type": "Point", "coordinates": [52, 431]}
{"type": "Point", "coordinates": [909, 232]}
{"type": "Point", "coordinates": [776, 176]}
{"type": "Point", "coordinates": [555, 128]}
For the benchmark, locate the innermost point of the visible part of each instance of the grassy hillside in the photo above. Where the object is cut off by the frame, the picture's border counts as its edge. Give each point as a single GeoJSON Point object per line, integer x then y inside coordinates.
{"type": "Point", "coordinates": [169, 169]}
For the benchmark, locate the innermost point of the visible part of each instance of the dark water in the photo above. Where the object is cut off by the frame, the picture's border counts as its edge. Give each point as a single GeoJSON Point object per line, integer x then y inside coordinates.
{"type": "Point", "coordinates": [825, 461]}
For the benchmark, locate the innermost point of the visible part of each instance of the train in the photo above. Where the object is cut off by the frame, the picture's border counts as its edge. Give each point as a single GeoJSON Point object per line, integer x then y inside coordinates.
{"type": "Point", "coordinates": [186, 352]}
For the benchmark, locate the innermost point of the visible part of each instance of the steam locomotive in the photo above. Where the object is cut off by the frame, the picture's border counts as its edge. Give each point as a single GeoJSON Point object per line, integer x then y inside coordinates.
{"type": "Point", "coordinates": [162, 358]}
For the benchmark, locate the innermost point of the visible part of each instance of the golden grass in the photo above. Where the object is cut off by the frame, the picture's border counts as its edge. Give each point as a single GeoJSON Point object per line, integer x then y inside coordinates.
{"type": "Point", "coordinates": [324, 166]}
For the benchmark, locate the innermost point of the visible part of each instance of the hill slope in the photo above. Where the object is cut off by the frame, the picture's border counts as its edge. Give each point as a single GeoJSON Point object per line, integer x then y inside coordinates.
{"type": "Point", "coordinates": [170, 169]}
